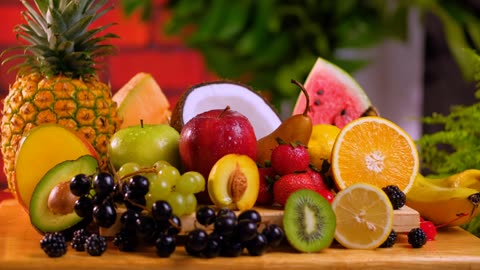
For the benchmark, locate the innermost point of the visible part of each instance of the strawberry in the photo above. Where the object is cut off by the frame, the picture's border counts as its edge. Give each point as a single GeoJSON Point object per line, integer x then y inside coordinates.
{"type": "Point", "coordinates": [327, 194]}
{"type": "Point", "coordinates": [265, 195]}
{"type": "Point", "coordinates": [317, 179]}
{"type": "Point", "coordinates": [290, 158]}
{"type": "Point", "coordinates": [289, 183]}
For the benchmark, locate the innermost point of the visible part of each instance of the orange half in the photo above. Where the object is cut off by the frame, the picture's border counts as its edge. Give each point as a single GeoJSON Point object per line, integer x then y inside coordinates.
{"type": "Point", "coordinates": [376, 151]}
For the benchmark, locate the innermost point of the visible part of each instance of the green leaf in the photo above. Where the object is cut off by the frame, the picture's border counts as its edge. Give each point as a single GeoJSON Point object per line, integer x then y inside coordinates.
{"type": "Point", "coordinates": [210, 23]}
{"type": "Point", "coordinates": [34, 15]}
{"type": "Point", "coordinates": [359, 32]}
{"type": "Point", "coordinates": [220, 60]}
{"type": "Point", "coordinates": [473, 227]}
{"type": "Point", "coordinates": [455, 39]}
{"type": "Point", "coordinates": [344, 8]}
{"type": "Point", "coordinates": [55, 20]}
{"type": "Point", "coordinates": [351, 65]}
{"type": "Point", "coordinates": [42, 5]}
{"type": "Point", "coordinates": [79, 26]}
{"type": "Point", "coordinates": [273, 51]}
{"type": "Point", "coordinates": [473, 30]}
{"type": "Point", "coordinates": [130, 6]}
{"type": "Point", "coordinates": [256, 36]}
{"type": "Point", "coordinates": [397, 22]}
{"type": "Point", "coordinates": [66, 46]}
{"type": "Point", "coordinates": [236, 16]}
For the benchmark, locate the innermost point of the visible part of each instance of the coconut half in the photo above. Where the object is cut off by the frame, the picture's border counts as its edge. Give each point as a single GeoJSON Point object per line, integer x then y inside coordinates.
{"type": "Point", "coordinates": [220, 94]}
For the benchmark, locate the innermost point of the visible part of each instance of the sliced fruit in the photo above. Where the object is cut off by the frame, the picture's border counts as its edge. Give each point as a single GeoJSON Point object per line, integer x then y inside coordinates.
{"type": "Point", "coordinates": [364, 216]}
{"type": "Point", "coordinates": [374, 150]}
{"type": "Point", "coordinates": [44, 147]}
{"type": "Point", "coordinates": [308, 221]}
{"type": "Point", "coordinates": [335, 97]}
{"type": "Point", "coordinates": [220, 94]}
{"type": "Point", "coordinates": [142, 99]}
{"type": "Point", "coordinates": [51, 206]}
{"type": "Point", "coordinates": [234, 182]}
{"type": "Point", "coordinates": [321, 143]}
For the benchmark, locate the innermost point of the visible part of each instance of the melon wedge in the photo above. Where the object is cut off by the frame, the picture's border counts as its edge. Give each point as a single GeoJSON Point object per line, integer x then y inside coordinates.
{"type": "Point", "coordinates": [41, 149]}
{"type": "Point", "coordinates": [335, 97]}
{"type": "Point", "coordinates": [142, 99]}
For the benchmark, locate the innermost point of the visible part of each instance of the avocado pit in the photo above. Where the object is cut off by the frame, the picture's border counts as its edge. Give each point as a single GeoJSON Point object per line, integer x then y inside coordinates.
{"type": "Point", "coordinates": [61, 201]}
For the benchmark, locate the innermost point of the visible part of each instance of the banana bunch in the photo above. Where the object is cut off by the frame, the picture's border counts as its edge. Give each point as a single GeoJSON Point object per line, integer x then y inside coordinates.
{"type": "Point", "coordinates": [450, 201]}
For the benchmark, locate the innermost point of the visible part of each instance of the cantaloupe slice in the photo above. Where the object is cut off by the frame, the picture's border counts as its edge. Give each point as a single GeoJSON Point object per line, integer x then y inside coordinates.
{"type": "Point", "coordinates": [142, 99]}
{"type": "Point", "coordinates": [40, 150]}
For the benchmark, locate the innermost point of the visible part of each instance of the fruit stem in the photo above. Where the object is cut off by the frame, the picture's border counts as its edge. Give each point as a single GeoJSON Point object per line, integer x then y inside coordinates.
{"type": "Point", "coordinates": [226, 109]}
{"type": "Point", "coordinates": [459, 216]}
{"type": "Point", "coordinates": [143, 207]}
{"type": "Point", "coordinates": [141, 123]}
{"type": "Point", "coordinates": [307, 103]}
{"type": "Point", "coordinates": [142, 170]}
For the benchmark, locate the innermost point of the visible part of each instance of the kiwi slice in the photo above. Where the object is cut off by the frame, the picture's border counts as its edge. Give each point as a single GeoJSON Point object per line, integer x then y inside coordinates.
{"type": "Point", "coordinates": [309, 221]}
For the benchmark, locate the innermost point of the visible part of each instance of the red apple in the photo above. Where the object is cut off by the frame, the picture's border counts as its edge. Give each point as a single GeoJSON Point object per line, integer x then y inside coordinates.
{"type": "Point", "coordinates": [211, 135]}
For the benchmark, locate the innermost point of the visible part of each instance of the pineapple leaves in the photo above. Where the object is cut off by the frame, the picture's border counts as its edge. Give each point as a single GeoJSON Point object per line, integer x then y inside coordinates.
{"type": "Point", "coordinates": [35, 16]}
{"type": "Point", "coordinates": [34, 37]}
{"type": "Point", "coordinates": [43, 5]}
{"type": "Point", "coordinates": [32, 25]}
{"type": "Point", "coordinates": [91, 33]}
{"type": "Point", "coordinates": [67, 47]}
{"type": "Point", "coordinates": [78, 27]}
{"type": "Point", "coordinates": [55, 21]}
{"type": "Point", "coordinates": [57, 39]}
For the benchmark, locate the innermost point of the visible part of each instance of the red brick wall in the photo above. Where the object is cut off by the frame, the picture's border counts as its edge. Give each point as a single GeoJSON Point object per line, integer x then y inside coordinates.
{"type": "Point", "coordinates": [142, 48]}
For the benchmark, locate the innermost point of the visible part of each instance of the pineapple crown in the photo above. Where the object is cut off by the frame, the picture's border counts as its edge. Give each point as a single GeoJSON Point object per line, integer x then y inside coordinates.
{"type": "Point", "coordinates": [57, 38]}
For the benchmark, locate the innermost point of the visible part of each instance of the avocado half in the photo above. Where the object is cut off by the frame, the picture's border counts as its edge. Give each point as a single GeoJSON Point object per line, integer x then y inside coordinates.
{"type": "Point", "coordinates": [41, 216]}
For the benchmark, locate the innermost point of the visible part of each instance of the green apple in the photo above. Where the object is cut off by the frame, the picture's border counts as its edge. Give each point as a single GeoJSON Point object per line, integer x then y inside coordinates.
{"type": "Point", "coordinates": [145, 145]}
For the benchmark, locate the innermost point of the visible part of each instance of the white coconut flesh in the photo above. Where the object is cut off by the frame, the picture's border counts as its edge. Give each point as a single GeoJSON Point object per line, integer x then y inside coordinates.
{"type": "Point", "coordinates": [219, 95]}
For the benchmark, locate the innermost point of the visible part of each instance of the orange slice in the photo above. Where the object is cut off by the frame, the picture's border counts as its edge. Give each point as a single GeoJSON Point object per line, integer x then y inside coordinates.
{"type": "Point", "coordinates": [376, 151]}
{"type": "Point", "coordinates": [364, 216]}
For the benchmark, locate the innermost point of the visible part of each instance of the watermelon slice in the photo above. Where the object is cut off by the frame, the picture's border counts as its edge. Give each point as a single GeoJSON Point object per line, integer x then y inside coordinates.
{"type": "Point", "coordinates": [335, 97]}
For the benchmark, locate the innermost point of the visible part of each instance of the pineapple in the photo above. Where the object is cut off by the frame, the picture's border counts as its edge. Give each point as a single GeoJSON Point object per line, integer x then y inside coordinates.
{"type": "Point", "coordinates": [56, 80]}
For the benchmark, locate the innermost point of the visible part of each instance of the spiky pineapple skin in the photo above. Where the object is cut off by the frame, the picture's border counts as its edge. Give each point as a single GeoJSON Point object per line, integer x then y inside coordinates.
{"type": "Point", "coordinates": [84, 105]}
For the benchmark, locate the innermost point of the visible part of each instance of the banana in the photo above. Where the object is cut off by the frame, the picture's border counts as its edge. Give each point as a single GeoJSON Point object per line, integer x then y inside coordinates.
{"type": "Point", "coordinates": [450, 201]}
{"type": "Point", "coordinates": [468, 178]}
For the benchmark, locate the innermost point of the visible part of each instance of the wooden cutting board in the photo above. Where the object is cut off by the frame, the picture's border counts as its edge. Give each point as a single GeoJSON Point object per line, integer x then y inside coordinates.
{"type": "Point", "coordinates": [453, 248]}
{"type": "Point", "coordinates": [404, 220]}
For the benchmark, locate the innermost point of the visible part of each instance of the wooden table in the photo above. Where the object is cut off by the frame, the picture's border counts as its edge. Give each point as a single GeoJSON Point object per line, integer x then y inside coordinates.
{"type": "Point", "coordinates": [20, 249]}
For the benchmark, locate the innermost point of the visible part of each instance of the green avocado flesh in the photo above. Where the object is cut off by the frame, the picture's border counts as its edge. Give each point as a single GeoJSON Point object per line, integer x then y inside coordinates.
{"type": "Point", "coordinates": [41, 216]}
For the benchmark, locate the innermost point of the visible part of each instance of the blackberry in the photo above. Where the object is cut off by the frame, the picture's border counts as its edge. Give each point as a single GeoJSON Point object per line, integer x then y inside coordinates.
{"type": "Point", "coordinates": [95, 245]}
{"type": "Point", "coordinates": [54, 244]}
{"type": "Point", "coordinates": [396, 196]}
{"type": "Point", "coordinates": [392, 238]}
{"type": "Point", "coordinates": [417, 238]}
{"type": "Point", "coordinates": [125, 240]}
{"type": "Point", "coordinates": [78, 240]}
